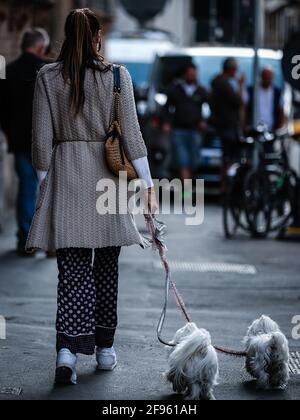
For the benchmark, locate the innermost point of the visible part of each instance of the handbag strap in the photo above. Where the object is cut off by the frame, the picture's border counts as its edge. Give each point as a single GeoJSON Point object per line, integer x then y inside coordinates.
{"type": "Point", "coordinates": [117, 93]}
{"type": "Point", "coordinates": [117, 79]}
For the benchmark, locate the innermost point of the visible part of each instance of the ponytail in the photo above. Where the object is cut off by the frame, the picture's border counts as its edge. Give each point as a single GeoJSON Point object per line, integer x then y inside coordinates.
{"type": "Point", "coordinates": [78, 53]}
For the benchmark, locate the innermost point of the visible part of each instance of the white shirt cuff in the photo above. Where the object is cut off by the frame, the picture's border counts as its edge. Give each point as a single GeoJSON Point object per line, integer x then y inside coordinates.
{"type": "Point", "coordinates": [143, 170]}
{"type": "Point", "coordinates": [41, 176]}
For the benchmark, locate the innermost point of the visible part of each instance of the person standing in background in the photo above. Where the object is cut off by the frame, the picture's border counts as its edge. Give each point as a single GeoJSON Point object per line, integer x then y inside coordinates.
{"type": "Point", "coordinates": [228, 98]}
{"type": "Point", "coordinates": [16, 121]}
{"type": "Point", "coordinates": [227, 101]}
{"type": "Point", "coordinates": [183, 114]}
{"type": "Point", "coordinates": [270, 102]}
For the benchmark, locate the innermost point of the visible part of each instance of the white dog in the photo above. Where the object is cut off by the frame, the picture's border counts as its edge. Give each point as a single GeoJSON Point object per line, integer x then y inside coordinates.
{"type": "Point", "coordinates": [267, 354]}
{"type": "Point", "coordinates": [193, 364]}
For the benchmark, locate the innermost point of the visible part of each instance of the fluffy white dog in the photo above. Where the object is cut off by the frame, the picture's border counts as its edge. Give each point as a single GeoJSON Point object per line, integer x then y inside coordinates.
{"type": "Point", "coordinates": [193, 364]}
{"type": "Point", "coordinates": [267, 354]}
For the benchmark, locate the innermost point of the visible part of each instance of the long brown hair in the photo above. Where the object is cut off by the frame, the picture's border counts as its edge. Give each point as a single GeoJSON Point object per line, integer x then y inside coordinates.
{"type": "Point", "coordinates": [78, 53]}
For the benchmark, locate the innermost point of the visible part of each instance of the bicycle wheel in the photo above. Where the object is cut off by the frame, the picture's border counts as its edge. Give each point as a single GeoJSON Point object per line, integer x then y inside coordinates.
{"type": "Point", "coordinates": [283, 189]}
{"type": "Point", "coordinates": [230, 220]}
{"type": "Point", "coordinates": [231, 210]}
{"type": "Point", "coordinates": [257, 203]}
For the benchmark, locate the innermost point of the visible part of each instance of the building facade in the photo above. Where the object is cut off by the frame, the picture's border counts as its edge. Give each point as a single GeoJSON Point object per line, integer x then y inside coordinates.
{"type": "Point", "coordinates": [17, 15]}
{"type": "Point", "coordinates": [191, 21]}
{"type": "Point", "coordinates": [282, 20]}
{"type": "Point", "coordinates": [219, 21]}
{"type": "Point", "coordinates": [176, 18]}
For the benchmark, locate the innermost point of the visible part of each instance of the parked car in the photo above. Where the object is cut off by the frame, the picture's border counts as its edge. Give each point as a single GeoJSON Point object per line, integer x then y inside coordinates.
{"type": "Point", "coordinates": [209, 60]}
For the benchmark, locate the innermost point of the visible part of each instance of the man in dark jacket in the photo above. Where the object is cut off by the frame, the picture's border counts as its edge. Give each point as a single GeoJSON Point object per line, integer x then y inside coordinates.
{"type": "Point", "coordinates": [183, 114]}
{"type": "Point", "coordinates": [228, 98]}
{"type": "Point", "coordinates": [16, 120]}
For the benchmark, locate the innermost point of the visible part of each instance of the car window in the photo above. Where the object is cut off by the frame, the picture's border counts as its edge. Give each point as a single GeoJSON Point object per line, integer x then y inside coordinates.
{"type": "Point", "coordinates": [140, 73]}
{"type": "Point", "coordinates": [168, 69]}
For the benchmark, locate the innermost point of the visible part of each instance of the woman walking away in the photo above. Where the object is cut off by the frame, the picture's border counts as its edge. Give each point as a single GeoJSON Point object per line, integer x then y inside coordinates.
{"type": "Point", "coordinates": [72, 114]}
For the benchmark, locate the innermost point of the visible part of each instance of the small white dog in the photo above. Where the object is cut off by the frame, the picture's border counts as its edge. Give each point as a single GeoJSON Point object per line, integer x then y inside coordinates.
{"type": "Point", "coordinates": [193, 364]}
{"type": "Point", "coordinates": [267, 354]}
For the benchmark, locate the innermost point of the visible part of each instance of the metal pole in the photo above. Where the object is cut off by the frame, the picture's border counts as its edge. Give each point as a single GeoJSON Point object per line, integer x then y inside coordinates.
{"type": "Point", "coordinates": [258, 43]}
{"type": "Point", "coordinates": [236, 22]}
{"type": "Point", "coordinates": [2, 190]}
{"type": "Point", "coordinates": [213, 20]}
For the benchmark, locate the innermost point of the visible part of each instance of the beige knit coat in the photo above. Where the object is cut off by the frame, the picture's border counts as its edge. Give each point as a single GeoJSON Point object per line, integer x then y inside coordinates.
{"type": "Point", "coordinates": [71, 150]}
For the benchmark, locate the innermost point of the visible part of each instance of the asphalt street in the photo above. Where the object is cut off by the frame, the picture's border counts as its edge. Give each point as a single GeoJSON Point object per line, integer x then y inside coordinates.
{"type": "Point", "coordinates": [226, 285]}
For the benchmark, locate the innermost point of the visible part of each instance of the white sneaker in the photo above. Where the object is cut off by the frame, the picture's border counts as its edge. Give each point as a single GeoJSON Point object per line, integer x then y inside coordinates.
{"type": "Point", "coordinates": [106, 358]}
{"type": "Point", "coordinates": [66, 368]}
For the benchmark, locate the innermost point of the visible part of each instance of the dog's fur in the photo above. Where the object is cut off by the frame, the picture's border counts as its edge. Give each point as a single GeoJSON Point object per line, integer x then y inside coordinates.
{"type": "Point", "coordinates": [267, 354]}
{"type": "Point", "coordinates": [193, 364]}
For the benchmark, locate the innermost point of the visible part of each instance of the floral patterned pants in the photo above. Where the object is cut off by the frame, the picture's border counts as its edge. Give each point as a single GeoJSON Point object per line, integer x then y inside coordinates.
{"type": "Point", "coordinates": [87, 298]}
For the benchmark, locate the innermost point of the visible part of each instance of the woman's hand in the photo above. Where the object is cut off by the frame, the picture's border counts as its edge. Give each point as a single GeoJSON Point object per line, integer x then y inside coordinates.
{"type": "Point", "coordinates": [151, 205]}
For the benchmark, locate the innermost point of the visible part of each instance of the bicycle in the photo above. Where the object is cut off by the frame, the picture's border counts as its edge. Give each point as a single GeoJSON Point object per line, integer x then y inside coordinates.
{"type": "Point", "coordinates": [234, 216]}
{"type": "Point", "coordinates": [269, 186]}
{"type": "Point", "coordinates": [260, 190]}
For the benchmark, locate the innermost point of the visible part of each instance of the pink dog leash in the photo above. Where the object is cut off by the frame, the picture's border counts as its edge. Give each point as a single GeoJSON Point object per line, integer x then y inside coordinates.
{"type": "Point", "coordinates": [158, 231]}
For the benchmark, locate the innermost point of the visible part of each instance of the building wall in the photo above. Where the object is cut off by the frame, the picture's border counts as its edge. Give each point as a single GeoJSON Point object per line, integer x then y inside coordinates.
{"type": "Point", "coordinates": [9, 39]}
{"type": "Point", "coordinates": [60, 13]}
{"type": "Point", "coordinates": [280, 24]}
{"type": "Point", "coordinates": [103, 8]}
{"type": "Point", "coordinates": [14, 21]}
{"type": "Point", "coordinates": [175, 18]}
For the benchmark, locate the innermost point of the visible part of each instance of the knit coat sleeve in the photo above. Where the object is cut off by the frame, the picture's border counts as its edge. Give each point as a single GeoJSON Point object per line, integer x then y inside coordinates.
{"type": "Point", "coordinates": [132, 137]}
{"type": "Point", "coordinates": [42, 127]}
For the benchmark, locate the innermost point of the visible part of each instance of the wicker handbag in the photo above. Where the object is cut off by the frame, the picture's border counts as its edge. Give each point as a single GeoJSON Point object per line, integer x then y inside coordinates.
{"type": "Point", "coordinates": [116, 158]}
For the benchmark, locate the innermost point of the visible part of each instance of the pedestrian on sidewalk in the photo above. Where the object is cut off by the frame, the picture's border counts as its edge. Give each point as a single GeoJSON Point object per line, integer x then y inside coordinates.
{"type": "Point", "coordinates": [72, 114]}
{"type": "Point", "coordinates": [183, 115]}
{"type": "Point", "coordinates": [16, 121]}
{"type": "Point", "coordinates": [228, 98]}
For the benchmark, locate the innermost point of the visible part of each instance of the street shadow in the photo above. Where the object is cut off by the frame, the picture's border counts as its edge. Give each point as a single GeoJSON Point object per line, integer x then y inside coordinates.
{"type": "Point", "coordinates": [289, 240]}
{"type": "Point", "coordinates": [172, 397]}
{"type": "Point", "coordinates": [99, 382]}
{"type": "Point", "coordinates": [92, 379]}
{"type": "Point", "coordinates": [271, 394]}
{"type": "Point", "coordinates": [11, 255]}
